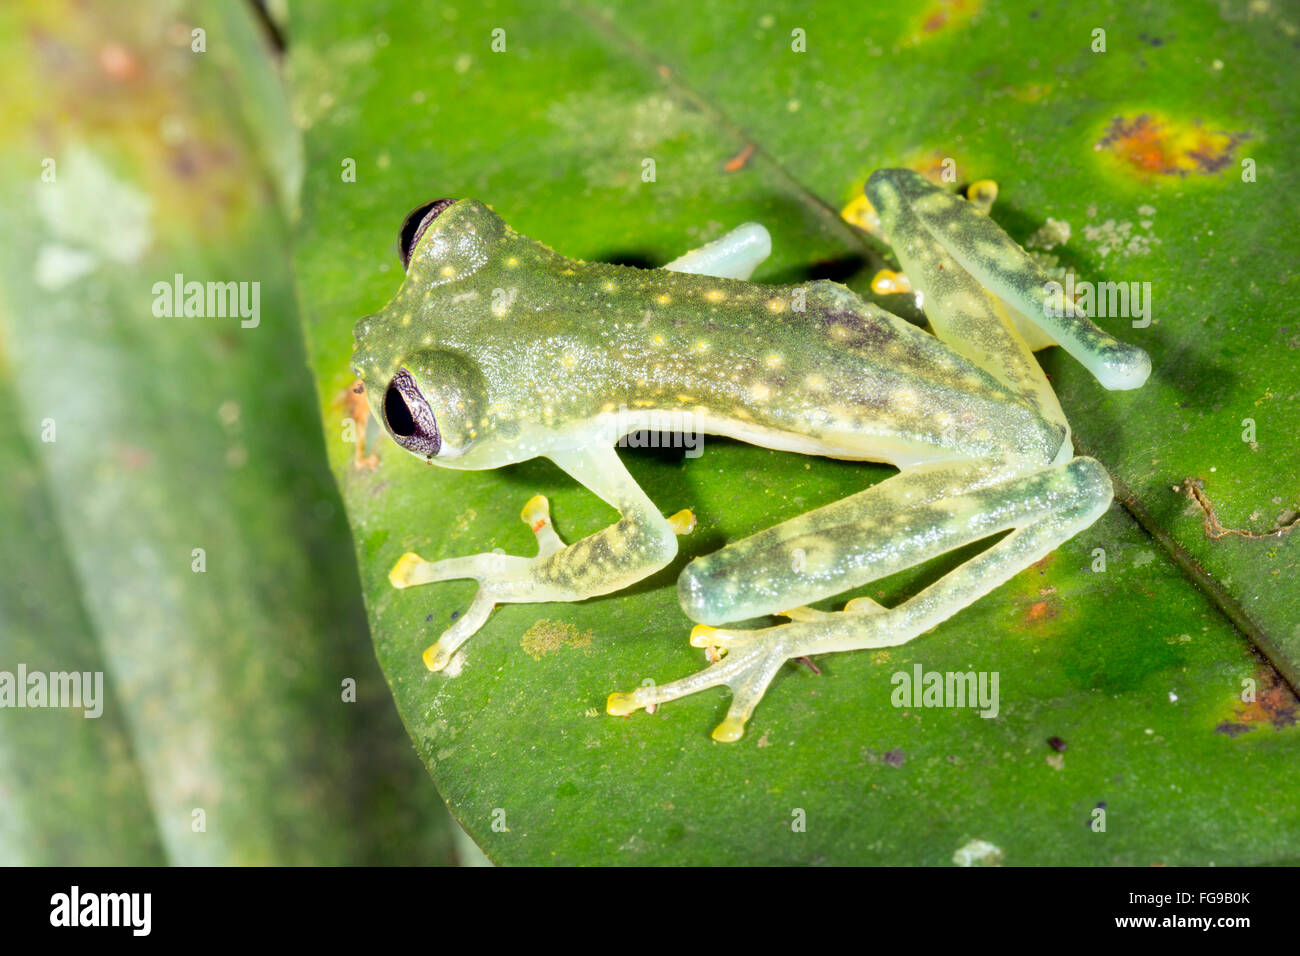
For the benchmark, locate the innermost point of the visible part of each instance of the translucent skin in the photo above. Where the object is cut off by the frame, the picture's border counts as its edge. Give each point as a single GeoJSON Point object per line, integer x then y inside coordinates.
{"type": "Point", "coordinates": [505, 350]}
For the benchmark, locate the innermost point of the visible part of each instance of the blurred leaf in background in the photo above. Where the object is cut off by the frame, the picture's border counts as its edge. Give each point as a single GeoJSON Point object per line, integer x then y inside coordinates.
{"type": "Point", "coordinates": [1124, 163]}
{"type": "Point", "coordinates": [167, 515]}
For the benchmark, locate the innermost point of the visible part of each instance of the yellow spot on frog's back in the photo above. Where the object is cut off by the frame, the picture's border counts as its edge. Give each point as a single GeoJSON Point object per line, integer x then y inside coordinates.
{"type": "Point", "coordinates": [773, 361]}
{"type": "Point", "coordinates": [512, 262]}
{"type": "Point", "coordinates": [839, 332]}
{"type": "Point", "coordinates": [570, 361]}
{"type": "Point", "coordinates": [904, 398]}
{"type": "Point", "coordinates": [657, 339]}
{"type": "Point", "coordinates": [815, 382]}
{"type": "Point", "coordinates": [448, 272]}
{"type": "Point", "coordinates": [760, 391]}
{"type": "Point", "coordinates": [609, 286]}
{"type": "Point", "coordinates": [664, 299]}
{"type": "Point", "coordinates": [776, 306]}
{"type": "Point", "coordinates": [701, 346]}
{"type": "Point", "coordinates": [406, 319]}
{"type": "Point", "coordinates": [715, 295]}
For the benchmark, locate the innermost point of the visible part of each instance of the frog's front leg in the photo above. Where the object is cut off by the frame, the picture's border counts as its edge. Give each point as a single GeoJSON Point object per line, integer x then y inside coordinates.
{"type": "Point", "coordinates": [899, 523]}
{"type": "Point", "coordinates": [641, 542]}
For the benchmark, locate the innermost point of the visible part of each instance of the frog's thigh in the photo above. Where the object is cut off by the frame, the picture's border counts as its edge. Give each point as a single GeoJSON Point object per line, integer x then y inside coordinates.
{"type": "Point", "coordinates": [1051, 507]}
{"type": "Point", "coordinates": [1085, 495]}
{"type": "Point", "coordinates": [910, 518]}
{"type": "Point", "coordinates": [733, 256]}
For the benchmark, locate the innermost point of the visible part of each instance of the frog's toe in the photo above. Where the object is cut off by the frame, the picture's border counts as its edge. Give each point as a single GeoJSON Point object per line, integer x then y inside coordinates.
{"type": "Point", "coordinates": [702, 635]}
{"type": "Point", "coordinates": [438, 655]}
{"type": "Point", "coordinates": [620, 704]}
{"type": "Point", "coordinates": [747, 670]}
{"type": "Point", "coordinates": [982, 194]}
{"type": "Point", "coordinates": [404, 571]}
{"type": "Point", "coordinates": [889, 282]}
{"type": "Point", "coordinates": [411, 569]}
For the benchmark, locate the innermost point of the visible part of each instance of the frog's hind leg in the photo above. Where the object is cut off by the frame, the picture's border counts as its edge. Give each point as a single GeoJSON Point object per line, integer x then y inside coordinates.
{"type": "Point", "coordinates": [1042, 509]}
{"type": "Point", "coordinates": [732, 256]}
{"type": "Point", "coordinates": [927, 224]}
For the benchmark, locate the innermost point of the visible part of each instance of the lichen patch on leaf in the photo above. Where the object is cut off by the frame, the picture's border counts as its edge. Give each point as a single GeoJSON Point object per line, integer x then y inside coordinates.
{"type": "Point", "coordinates": [547, 636]}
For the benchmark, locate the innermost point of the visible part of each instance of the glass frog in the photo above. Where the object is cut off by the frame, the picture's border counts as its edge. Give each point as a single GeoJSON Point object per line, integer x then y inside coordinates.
{"type": "Point", "coordinates": [497, 349]}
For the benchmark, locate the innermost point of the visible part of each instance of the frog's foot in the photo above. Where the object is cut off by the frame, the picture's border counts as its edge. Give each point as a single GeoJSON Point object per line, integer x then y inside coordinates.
{"type": "Point", "coordinates": [753, 660]}
{"type": "Point", "coordinates": [745, 660]}
{"type": "Point", "coordinates": [499, 576]}
{"type": "Point", "coordinates": [557, 572]}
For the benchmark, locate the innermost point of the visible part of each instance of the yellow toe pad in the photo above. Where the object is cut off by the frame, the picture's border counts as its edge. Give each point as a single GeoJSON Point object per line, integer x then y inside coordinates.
{"type": "Point", "coordinates": [729, 731]}
{"type": "Point", "coordinates": [620, 705]}
{"type": "Point", "coordinates": [400, 576]}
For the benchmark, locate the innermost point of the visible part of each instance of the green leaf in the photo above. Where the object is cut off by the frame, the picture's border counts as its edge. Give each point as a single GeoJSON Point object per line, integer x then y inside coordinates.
{"type": "Point", "coordinates": [168, 519]}
{"type": "Point", "coordinates": [1136, 670]}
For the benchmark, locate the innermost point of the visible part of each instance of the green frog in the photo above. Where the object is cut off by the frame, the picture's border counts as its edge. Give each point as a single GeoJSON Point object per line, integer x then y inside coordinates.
{"type": "Point", "coordinates": [497, 349]}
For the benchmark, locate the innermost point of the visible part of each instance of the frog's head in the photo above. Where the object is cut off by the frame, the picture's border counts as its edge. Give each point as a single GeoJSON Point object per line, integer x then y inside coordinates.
{"type": "Point", "coordinates": [429, 396]}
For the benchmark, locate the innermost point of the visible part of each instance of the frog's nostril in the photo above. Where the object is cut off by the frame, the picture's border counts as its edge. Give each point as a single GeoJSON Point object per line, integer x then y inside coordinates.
{"type": "Point", "coordinates": [416, 223]}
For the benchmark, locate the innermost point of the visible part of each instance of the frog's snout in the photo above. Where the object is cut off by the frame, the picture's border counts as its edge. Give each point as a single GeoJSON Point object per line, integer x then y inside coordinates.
{"type": "Point", "coordinates": [416, 224]}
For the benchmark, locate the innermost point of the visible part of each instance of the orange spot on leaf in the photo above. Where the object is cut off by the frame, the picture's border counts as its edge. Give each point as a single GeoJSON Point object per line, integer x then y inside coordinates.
{"type": "Point", "coordinates": [737, 162]}
{"type": "Point", "coordinates": [1151, 145]}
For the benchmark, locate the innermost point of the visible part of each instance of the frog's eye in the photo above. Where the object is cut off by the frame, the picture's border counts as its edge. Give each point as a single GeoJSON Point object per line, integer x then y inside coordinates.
{"type": "Point", "coordinates": [416, 224]}
{"type": "Point", "coordinates": [409, 418]}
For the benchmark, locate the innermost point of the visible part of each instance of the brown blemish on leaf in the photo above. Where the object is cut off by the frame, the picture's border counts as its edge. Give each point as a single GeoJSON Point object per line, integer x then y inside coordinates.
{"type": "Point", "coordinates": [547, 636]}
{"type": "Point", "coordinates": [1151, 145]}
{"type": "Point", "coordinates": [737, 162]}
{"type": "Point", "coordinates": [895, 757]}
{"type": "Point", "coordinates": [1230, 729]}
{"type": "Point", "coordinates": [1193, 488]}
{"type": "Point", "coordinates": [941, 15]}
{"type": "Point", "coordinates": [1275, 704]}
{"type": "Point", "coordinates": [1041, 611]}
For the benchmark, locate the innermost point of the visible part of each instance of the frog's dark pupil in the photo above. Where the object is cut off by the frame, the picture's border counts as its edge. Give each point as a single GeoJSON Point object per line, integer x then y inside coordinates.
{"type": "Point", "coordinates": [398, 415]}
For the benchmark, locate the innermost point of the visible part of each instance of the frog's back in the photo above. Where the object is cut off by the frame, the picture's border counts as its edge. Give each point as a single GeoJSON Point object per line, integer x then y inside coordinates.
{"type": "Point", "coordinates": [811, 367]}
